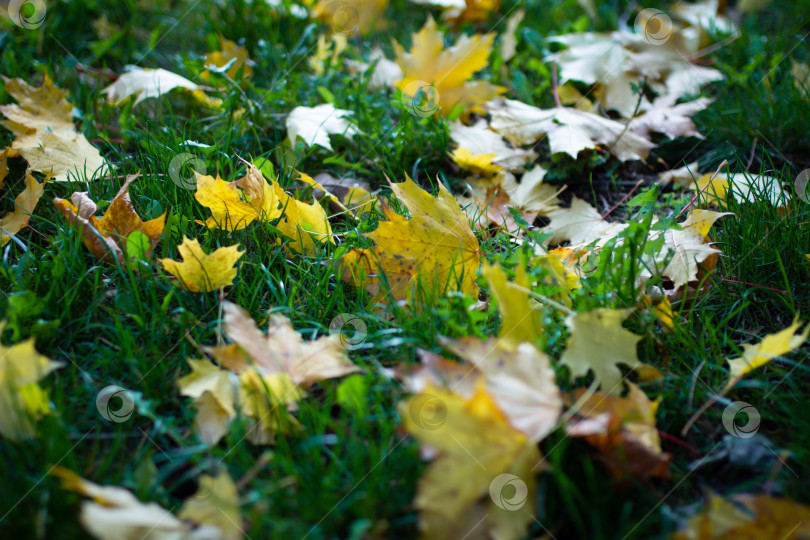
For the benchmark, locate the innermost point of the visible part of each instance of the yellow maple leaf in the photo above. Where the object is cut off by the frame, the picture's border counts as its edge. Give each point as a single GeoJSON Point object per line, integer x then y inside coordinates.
{"type": "Point", "coordinates": [273, 371]}
{"type": "Point", "coordinates": [43, 108]}
{"type": "Point", "coordinates": [351, 16]}
{"type": "Point", "coordinates": [107, 237]}
{"type": "Point", "coordinates": [283, 350]}
{"type": "Point", "coordinates": [13, 222]}
{"type": "Point", "coordinates": [519, 378]}
{"type": "Point", "coordinates": [327, 52]}
{"type": "Point", "coordinates": [216, 504]}
{"type": "Point", "coordinates": [435, 247]}
{"type": "Point", "coordinates": [598, 343]}
{"type": "Point", "coordinates": [305, 224]}
{"type": "Point", "coordinates": [480, 164]}
{"type": "Point", "coordinates": [521, 323]}
{"type": "Point", "coordinates": [201, 272]}
{"type": "Point", "coordinates": [114, 513]}
{"type": "Point", "coordinates": [22, 400]}
{"type": "Point", "coordinates": [447, 72]}
{"type": "Point", "coordinates": [771, 346]}
{"type": "Point", "coordinates": [480, 458]}
{"type": "Point", "coordinates": [42, 122]}
{"type": "Point", "coordinates": [234, 205]}
{"type": "Point", "coordinates": [474, 11]}
{"type": "Point", "coordinates": [749, 517]}
{"type": "Point", "coordinates": [230, 52]}
{"type": "Point", "coordinates": [212, 390]}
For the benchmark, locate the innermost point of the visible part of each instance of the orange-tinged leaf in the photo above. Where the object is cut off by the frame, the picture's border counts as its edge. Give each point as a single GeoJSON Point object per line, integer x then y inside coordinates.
{"type": "Point", "coordinates": [624, 432]}
{"type": "Point", "coordinates": [436, 246]}
{"type": "Point", "coordinates": [13, 222]}
{"type": "Point", "coordinates": [106, 237]}
{"type": "Point", "coordinates": [200, 271]}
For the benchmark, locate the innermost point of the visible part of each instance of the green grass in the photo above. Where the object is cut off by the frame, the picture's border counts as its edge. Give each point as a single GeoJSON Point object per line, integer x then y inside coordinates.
{"type": "Point", "coordinates": [351, 472]}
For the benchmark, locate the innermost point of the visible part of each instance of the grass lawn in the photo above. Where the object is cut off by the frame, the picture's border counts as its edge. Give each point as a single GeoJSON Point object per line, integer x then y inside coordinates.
{"type": "Point", "coordinates": [351, 469]}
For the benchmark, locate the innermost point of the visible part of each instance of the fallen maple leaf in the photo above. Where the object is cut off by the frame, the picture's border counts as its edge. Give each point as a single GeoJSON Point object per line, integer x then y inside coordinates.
{"type": "Point", "coordinates": [255, 199]}
{"type": "Point", "coordinates": [689, 248]}
{"type": "Point", "coordinates": [273, 371]}
{"type": "Point", "coordinates": [479, 454]}
{"type": "Point", "coordinates": [233, 209]}
{"type": "Point", "coordinates": [108, 237]}
{"type": "Point", "coordinates": [435, 247]}
{"type": "Point", "coordinates": [327, 52]}
{"type": "Point", "coordinates": [617, 61]}
{"type": "Point", "coordinates": [22, 401]}
{"type": "Point", "coordinates": [448, 71]}
{"type": "Point", "coordinates": [313, 125]}
{"type": "Point", "coordinates": [747, 517]}
{"type": "Point", "coordinates": [351, 16]}
{"type": "Point", "coordinates": [480, 164]}
{"type": "Point", "coordinates": [37, 109]}
{"type": "Point", "coordinates": [519, 378]}
{"type": "Point", "coordinates": [459, 11]}
{"type": "Point", "coordinates": [598, 343]}
{"type": "Point", "coordinates": [771, 346]}
{"type": "Point", "coordinates": [145, 83]}
{"type": "Point", "coordinates": [283, 350]}
{"type": "Point", "coordinates": [624, 432]}
{"type": "Point", "coordinates": [520, 321]}
{"type": "Point", "coordinates": [114, 513]}
{"type": "Point", "coordinates": [479, 139]}
{"type": "Point", "coordinates": [201, 272]}
{"type": "Point", "coordinates": [744, 188]}
{"type": "Point", "coordinates": [212, 389]}
{"type": "Point", "coordinates": [664, 116]}
{"type": "Point", "coordinates": [14, 221]}
{"type": "Point", "coordinates": [42, 122]}
{"type": "Point", "coordinates": [569, 131]}
{"type": "Point", "coordinates": [231, 56]}
{"type": "Point", "coordinates": [580, 225]}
